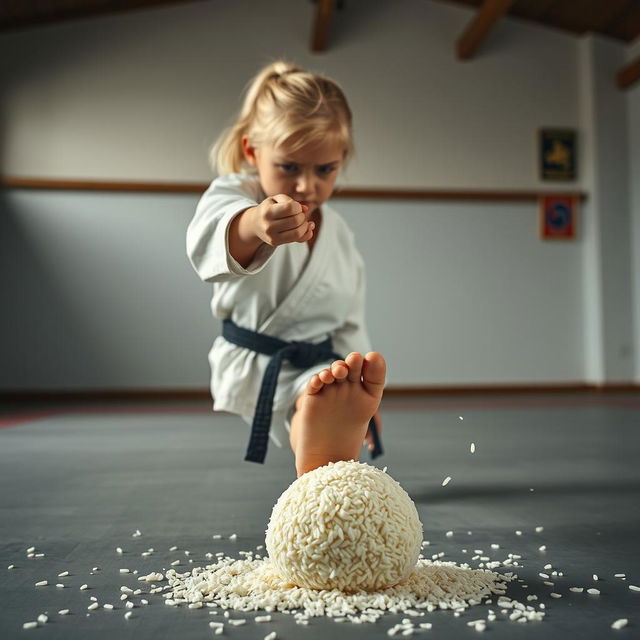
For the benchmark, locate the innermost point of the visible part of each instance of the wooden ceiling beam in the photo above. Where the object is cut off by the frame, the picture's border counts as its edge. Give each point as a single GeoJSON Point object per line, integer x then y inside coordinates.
{"type": "Point", "coordinates": [476, 33]}
{"type": "Point", "coordinates": [629, 74]}
{"type": "Point", "coordinates": [321, 24]}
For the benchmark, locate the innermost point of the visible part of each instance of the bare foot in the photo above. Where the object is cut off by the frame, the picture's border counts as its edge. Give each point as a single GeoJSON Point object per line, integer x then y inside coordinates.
{"type": "Point", "coordinates": [334, 411]}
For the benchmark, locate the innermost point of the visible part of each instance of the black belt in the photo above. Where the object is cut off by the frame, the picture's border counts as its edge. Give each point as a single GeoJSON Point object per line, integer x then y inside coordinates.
{"type": "Point", "coordinates": [300, 354]}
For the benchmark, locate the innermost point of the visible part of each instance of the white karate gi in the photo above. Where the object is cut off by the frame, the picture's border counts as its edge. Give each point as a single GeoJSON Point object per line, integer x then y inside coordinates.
{"type": "Point", "coordinates": [285, 292]}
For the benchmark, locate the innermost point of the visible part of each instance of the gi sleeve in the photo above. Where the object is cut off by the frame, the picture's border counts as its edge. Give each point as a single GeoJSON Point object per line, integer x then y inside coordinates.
{"type": "Point", "coordinates": [353, 334]}
{"type": "Point", "coordinates": [208, 231]}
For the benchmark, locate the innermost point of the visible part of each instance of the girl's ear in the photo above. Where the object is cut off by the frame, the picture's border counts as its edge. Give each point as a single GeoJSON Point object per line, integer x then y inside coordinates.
{"type": "Point", "coordinates": [248, 151]}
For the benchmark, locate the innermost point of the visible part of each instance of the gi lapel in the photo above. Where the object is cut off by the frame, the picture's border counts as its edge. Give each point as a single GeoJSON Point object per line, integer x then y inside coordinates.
{"type": "Point", "coordinates": [305, 287]}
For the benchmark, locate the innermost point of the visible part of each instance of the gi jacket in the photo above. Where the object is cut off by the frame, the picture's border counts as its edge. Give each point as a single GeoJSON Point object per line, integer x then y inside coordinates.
{"type": "Point", "coordinates": [287, 292]}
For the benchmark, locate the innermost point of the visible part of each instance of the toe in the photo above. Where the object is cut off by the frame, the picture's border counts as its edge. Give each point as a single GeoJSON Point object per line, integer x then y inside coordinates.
{"type": "Point", "coordinates": [326, 376]}
{"type": "Point", "coordinates": [354, 362]}
{"type": "Point", "coordinates": [374, 369]}
{"type": "Point", "coordinates": [340, 370]}
{"type": "Point", "coordinates": [314, 385]}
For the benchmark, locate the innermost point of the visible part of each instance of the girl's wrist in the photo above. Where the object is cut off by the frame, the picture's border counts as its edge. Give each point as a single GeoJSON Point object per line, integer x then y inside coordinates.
{"type": "Point", "coordinates": [246, 227]}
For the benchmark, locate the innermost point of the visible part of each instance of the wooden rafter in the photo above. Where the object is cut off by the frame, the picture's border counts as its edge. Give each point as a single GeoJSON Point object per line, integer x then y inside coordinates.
{"type": "Point", "coordinates": [479, 28]}
{"type": "Point", "coordinates": [628, 74]}
{"type": "Point", "coordinates": [321, 23]}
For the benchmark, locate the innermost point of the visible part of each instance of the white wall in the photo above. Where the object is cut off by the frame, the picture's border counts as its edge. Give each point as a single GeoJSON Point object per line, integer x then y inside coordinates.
{"type": "Point", "coordinates": [459, 293]}
{"type": "Point", "coordinates": [607, 228]}
{"type": "Point", "coordinates": [142, 94]}
{"type": "Point", "coordinates": [633, 101]}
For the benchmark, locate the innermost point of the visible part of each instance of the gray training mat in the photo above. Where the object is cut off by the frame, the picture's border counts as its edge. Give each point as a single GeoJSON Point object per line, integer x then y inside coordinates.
{"type": "Point", "coordinates": [77, 482]}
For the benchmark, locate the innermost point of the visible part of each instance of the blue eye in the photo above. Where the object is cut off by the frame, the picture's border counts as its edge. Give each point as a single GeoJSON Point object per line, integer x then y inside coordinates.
{"type": "Point", "coordinates": [326, 170]}
{"type": "Point", "coordinates": [290, 168]}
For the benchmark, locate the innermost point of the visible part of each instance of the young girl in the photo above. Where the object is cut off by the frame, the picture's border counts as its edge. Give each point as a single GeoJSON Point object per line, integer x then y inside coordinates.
{"type": "Point", "coordinates": [287, 278]}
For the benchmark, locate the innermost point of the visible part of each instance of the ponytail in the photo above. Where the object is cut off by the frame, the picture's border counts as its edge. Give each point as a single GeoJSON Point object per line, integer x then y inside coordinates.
{"type": "Point", "coordinates": [281, 101]}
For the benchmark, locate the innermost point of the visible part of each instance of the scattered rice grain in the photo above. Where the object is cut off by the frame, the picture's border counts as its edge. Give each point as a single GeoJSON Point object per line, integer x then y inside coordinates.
{"type": "Point", "coordinates": [619, 624]}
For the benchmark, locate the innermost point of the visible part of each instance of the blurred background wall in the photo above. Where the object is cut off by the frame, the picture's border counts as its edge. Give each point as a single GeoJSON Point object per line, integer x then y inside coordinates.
{"type": "Point", "coordinates": [97, 292]}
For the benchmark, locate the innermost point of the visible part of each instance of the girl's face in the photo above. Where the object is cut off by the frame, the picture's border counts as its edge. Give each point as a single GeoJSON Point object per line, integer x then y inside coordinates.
{"type": "Point", "coordinates": [306, 175]}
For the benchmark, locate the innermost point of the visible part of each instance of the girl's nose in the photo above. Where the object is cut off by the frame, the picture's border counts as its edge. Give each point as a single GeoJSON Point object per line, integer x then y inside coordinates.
{"type": "Point", "coordinates": [304, 184]}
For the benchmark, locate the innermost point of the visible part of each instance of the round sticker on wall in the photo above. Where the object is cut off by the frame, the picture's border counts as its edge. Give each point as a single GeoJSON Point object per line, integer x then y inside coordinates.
{"type": "Point", "coordinates": [558, 217]}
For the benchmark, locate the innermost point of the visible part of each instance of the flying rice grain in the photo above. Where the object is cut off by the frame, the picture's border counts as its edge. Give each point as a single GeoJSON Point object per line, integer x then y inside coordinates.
{"type": "Point", "coordinates": [446, 481]}
{"type": "Point", "coordinates": [43, 619]}
{"type": "Point", "coordinates": [30, 625]}
{"type": "Point", "coordinates": [619, 624]}
{"type": "Point", "coordinates": [633, 587]}
{"type": "Point", "coordinates": [593, 592]}
{"type": "Point", "coordinates": [64, 612]}
{"type": "Point", "coordinates": [42, 583]}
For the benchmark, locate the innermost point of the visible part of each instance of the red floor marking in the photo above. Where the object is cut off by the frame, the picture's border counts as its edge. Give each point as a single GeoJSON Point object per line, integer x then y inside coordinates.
{"type": "Point", "coordinates": [388, 405]}
{"type": "Point", "coordinates": [476, 405]}
{"type": "Point", "coordinates": [14, 420]}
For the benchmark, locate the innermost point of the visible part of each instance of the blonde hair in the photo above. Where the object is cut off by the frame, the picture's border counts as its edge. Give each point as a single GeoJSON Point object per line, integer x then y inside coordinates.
{"type": "Point", "coordinates": [285, 104]}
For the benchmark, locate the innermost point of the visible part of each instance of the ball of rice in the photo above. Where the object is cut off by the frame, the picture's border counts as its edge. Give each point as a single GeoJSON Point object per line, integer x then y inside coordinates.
{"type": "Point", "coordinates": [346, 526]}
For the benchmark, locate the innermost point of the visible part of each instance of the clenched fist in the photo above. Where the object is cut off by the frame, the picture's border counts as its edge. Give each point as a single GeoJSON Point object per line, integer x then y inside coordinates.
{"type": "Point", "coordinates": [280, 219]}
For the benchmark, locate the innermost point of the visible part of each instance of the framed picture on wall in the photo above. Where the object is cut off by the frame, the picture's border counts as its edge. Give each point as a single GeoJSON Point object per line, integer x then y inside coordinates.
{"type": "Point", "coordinates": [558, 217]}
{"type": "Point", "coordinates": [557, 154]}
